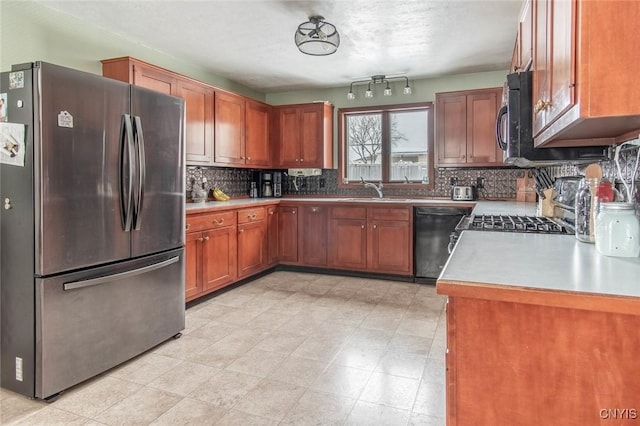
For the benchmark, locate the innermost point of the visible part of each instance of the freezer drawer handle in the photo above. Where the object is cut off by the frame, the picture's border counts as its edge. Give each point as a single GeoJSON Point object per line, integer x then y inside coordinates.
{"type": "Point", "coordinates": [101, 280]}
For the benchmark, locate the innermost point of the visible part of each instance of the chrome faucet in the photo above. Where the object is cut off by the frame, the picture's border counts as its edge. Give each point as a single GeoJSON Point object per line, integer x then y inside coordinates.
{"type": "Point", "coordinates": [378, 187]}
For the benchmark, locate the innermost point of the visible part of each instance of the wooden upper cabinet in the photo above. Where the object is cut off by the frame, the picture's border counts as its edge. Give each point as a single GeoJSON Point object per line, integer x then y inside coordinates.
{"type": "Point", "coordinates": [553, 91]}
{"type": "Point", "coordinates": [229, 129]}
{"type": "Point", "coordinates": [465, 128]}
{"type": "Point", "coordinates": [141, 74]}
{"type": "Point", "coordinates": [257, 147]}
{"type": "Point", "coordinates": [199, 120]}
{"type": "Point", "coordinates": [304, 135]}
{"type": "Point", "coordinates": [525, 37]}
{"type": "Point", "coordinates": [584, 71]}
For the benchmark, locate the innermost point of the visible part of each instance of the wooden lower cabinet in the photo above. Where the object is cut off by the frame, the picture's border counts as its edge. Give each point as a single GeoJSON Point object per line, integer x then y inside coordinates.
{"type": "Point", "coordinates": [210, 257]}
{"type": "Point", "coordinates": [252, 241]}
{"type": "Point", "coordinates": [519, 362]}
{"type": "Point", "coordinates": [288, 238]}
{"type": "Point", "coordinates": [391, 243]}
{"type": "Point", "coordinates": [347, 243]}
{"type": "Point", "coordinates": [224, 247]}
{"type": "Point", "coordinates": [372, 239]}
{"type": "Point", "coordinates": [273, 234]}
{"type": "Point", "coordinates": [313, 241]}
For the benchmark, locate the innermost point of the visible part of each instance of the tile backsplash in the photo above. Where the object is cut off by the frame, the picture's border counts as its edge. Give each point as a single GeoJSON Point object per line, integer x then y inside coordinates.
{"type": "Point", "coordinates": [498, 182]}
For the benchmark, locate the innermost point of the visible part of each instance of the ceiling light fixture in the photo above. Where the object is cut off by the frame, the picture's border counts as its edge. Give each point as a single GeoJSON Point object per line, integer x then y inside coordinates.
{"type": "Point", "coordinates": [317, 37]}
{"type": "Point", "coordinates": [378, 79]}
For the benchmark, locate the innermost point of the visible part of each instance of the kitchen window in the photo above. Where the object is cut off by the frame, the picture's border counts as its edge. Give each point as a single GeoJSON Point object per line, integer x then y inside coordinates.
{"type": "Point", "coordinates": [391, 144]}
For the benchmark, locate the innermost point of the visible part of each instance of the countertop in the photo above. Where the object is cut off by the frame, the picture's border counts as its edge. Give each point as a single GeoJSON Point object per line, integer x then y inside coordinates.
{"type": "Point", "coordinates": [481, 206]}
{"type": "Point", "coordinates": [485, 263]}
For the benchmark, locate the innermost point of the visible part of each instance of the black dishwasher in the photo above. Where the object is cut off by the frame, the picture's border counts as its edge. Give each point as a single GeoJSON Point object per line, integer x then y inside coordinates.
{"type": "Point", "coordinates": [432, 227]}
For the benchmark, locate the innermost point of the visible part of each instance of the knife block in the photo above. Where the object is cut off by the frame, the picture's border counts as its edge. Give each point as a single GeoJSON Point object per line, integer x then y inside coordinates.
{"type": "Point", "coordinates": [525, 190]}
{"type": "Point", "coordinates": [546, 206]}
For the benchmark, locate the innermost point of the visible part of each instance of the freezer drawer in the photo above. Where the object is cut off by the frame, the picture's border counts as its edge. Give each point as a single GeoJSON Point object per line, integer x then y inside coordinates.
{"type": "Point", "coordinates": [88, 322]}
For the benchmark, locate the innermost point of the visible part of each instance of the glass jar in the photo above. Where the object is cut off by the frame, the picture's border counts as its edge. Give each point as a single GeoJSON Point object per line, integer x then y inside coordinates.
{"type": "Point", "coordinates": [586, 209]}
{"type": "Point", "coordinates": [618, 230]}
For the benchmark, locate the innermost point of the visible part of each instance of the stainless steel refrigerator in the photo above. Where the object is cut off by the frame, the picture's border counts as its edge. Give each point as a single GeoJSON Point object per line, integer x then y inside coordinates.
{"type": "Point", "coordinates": [92, 229]}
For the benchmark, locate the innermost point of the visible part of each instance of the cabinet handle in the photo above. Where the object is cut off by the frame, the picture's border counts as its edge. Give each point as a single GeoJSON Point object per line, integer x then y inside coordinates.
{"type": "Point", "coordinates": [206, 238]}
{"type": "Point", "coordinates": [270, 213]}
{"type": "Point", "coordinates": [375, 226]}
{"type": "Point", "coordinates": [251, 216]}
{"type": "Point", "coordinates": [187, 227]}
{"type": "Point", "coordinates": [249, 158]}
{"type": "Point", "coordinates": [241, 230]}
{"type": "Point", "coordinates": [541, 105]}
{"type": "Point", "coordinates": [362, 226]}
{"type": "Point", "coordinates": [218, 222]}
{"type": "Point", "coordinates": [200, 239]}
{"type": "Point", "coordinates": [295, 211]}
{"type": "Point", "coordinates": [301, 160]}
{"type": "Point", "coordinates": [241, 157]}
{"type": "Point", "coordinates": [314, 209]}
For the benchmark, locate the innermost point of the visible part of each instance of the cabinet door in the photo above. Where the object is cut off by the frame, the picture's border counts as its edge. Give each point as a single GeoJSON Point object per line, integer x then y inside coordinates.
{"type": "Point", "coordinates": [311, 131]}
{"type": "Point", "coordinates": [451, 125]}
{"type": "Point", "coordinates": [313, 240]}
{"type": "Point", "coordinates": [273, 232]}
{"type": "Point", "coordinates": [562, 63]}
{"type": "Point", "coordinates": [482, 109]}
{"type": "Point", "coordinates": [541, 64]}
{"type": "Point", "coordinates": [193, 262]}
{"type": "Point", "coordinates": [257, 148]}
{"type": "Point", "coordinates": [199, 121]}
{"type": "Point", "coordinates": [288, 238]}
{"type": "Point", "coordinates": [347, 243]}
{"type": "Point", "coordinates": [229, 129]}
{"type": "Point", "coordinates": [252, 248]}
{"type": "Point", "coordinates": [288, 138]}
{"type": "Point", "coordinates": [154, 79]}
{"type": "Point", "coordinates": [219, 249]}
{"type": "Point", "coordinates": [525, 36]}
{"type": "Point", "coordinates": [390, 247]}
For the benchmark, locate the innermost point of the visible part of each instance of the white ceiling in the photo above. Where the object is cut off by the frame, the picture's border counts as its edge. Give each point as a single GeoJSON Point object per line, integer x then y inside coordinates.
{"type": "Point", "coordinates": [251, 42]}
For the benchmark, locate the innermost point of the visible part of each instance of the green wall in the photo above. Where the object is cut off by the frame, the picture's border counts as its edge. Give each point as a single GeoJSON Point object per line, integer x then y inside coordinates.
{"type": "Point", "coordinates": [422, 90]}
{"type": "Point", "coordinates": [32, 32]}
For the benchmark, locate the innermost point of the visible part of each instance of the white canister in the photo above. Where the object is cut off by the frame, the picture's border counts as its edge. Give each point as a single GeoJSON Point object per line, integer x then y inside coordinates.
{"type": "Point", "coordinates": [617, 230]}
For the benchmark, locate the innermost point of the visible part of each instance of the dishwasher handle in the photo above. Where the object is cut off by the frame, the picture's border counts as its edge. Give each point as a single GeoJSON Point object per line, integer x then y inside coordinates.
{"type": "Point", "coordinates": [442, 211]}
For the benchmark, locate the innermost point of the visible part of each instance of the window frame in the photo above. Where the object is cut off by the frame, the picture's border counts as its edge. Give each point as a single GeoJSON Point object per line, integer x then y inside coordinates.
{"type": "Point", "coordinates": [386, 148]}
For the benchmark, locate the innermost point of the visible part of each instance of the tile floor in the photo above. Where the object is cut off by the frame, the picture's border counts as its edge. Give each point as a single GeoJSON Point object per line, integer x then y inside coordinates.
{"type": "Point", "coordinates": [289, 348]}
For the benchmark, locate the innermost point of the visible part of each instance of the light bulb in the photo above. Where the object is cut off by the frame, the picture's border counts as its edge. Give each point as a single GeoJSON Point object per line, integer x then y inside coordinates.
{"type": "Point", "coordinates": [368, 93]}
{"type": "Point", "coordinates": [407, 90]}
{"type": "Point", "coordinates": [387, 91]}
{"type": "Point", "coordinates": [351, 96]}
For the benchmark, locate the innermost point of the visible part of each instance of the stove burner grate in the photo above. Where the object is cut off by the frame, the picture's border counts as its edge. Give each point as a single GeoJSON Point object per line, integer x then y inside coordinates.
{"type": "Point", "coordinates": [511, 223]}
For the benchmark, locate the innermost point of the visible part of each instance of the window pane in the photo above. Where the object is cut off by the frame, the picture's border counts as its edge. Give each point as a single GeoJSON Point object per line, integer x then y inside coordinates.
{"type": "Point", "coordinates": [409, 154]}
{"type": "Point", "coordinates": [364, 146]}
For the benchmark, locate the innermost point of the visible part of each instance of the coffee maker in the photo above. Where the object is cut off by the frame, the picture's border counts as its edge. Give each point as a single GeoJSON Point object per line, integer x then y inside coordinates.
{"type": "Point", "coordinates": [267, 183]}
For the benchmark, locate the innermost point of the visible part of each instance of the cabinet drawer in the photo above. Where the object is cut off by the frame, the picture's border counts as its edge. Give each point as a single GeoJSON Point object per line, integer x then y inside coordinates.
{"type": "Point", "coordinates": [251, 215]}
{"type": "Point", "coordinates": [389, 214]}
{"type": "Point", "coordinates": [349, 213]}
{"type": "Point", "coordinates": [210, 221]}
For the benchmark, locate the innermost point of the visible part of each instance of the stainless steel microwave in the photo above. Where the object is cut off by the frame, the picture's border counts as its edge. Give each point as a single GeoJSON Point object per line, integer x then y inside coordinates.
{"type": "Point", "coordinates": [514, 130]}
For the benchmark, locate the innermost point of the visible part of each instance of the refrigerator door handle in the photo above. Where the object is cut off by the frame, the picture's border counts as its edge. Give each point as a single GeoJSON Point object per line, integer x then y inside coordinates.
{"type": "Point", "coordinates": [73, 285]}
{"type": "Point", "coordinates": [126, 181]}
{"type": "Point", "coordinates": [139, 138]}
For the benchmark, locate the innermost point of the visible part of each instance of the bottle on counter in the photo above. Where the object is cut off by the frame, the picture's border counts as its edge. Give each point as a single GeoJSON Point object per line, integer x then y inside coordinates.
{"type": "Point", "coordinates": [586, 209]}
{"type": "Point", "coordinates": [199, 195]}
{"type": "Point", "coordinates": [618, 230]}
{"type": "Point", "coordinates": [253, 192]}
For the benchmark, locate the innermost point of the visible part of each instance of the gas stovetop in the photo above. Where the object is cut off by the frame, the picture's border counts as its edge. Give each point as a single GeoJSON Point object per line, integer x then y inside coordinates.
{"type": "Point", "coordinates": [509, 223]}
